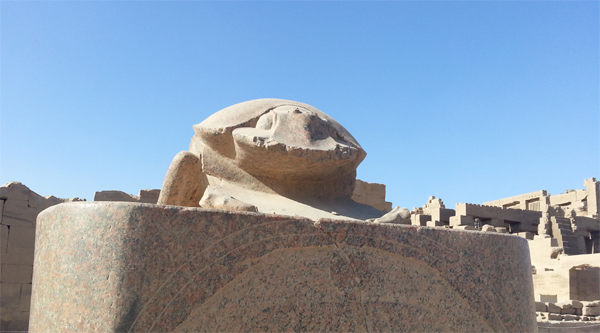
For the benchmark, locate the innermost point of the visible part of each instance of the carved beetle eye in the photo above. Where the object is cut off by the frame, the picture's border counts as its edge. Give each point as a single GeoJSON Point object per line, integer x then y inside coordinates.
{"type": "Point", "coordinates": [265, 122]}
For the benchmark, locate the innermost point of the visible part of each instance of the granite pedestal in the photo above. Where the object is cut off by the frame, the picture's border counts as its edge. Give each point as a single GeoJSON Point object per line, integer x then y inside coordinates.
{"type": "Point", "coordinates": [131, 267]}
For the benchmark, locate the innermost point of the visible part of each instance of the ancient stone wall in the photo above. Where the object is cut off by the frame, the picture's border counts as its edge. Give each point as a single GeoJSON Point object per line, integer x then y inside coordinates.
{"type": "Point", "coordinates": [371, 194]}
{"type": "Point", "coordinates": [561, 277]}
{"type": "Point", "coordinates": [572, 310]}
{"type": "Point", "coordinates": [516, 220]}
{"type": "Point", "coordinates": [19, 207]}
{"type": "Point", "coordinates": [433, 214]}
{"type": "Point", "coordinates": [145, 196]}
{"type": "Point", "coordinates": [585, 202]}
{"type": "Point", "coordinates": [521, 201]}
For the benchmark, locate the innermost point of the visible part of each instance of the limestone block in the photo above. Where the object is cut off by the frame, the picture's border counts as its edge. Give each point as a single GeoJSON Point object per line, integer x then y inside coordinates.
{"type": "Point", "coordinates": [567, 311]}
{"type": "Point", "coordinates": [541, 307]}
{"type": "Point", "coordinates": [166, 268]}
{"type": "Point", "coordinates": [464, 227]}
{"type": "Point", "coordinates": [3, 239]}
{"type": "Point", "coordinates": [497, 222]}
{"type": "Point", "coordinates": [21, 239]}
{"type": "Point", "coordinates": [589, 311]}
{"type": "Point", "coordinates": [590, 304]}
{"type": "Point", "coordinates": [554, 316]}
{"type": "Point", "coordinates": [15, 191]}
{"type": "Point", "coordinates": [16, 273]}
{"type": "Point", "coordinates": [114, 196]}
{"type": "Point", "coordinates": [488, 228]}
{"type": "Point", "coordinates": [576, 304]}
{"type": "Point", "coordinates": [149, 196]}
{"type": "Point", "coordinates": [37, 201]}
{"type": "Point", "coordinates": [435, 223]}
{"type": "Point", "coordinates": [25, 300]}
{"type": "Point", "coordinates": [7, 220]}
{"type": "Point", "coordinates": [419, 219]}
{"type": "Point", "coordinates": [570, 317]}
{"type": "Point", "coordinates": [461, 209]}
{"type": "Point", "coordinates": [502, 230]}
{"type": "Point", "coordinates": [17, 258]}
{"type": "Point", "coordinates": [511, 214]}
{"type": "Point", "coordinates": [578, 312]}
{"type": "Point", "coordinates": [372, 194]}
{"type": "Point", "coordinates": [11, 293]}
{"type": "Point", "coordinates": [564, 305]}
{"type": "Point", "coordinates": [442, 214]}
{"type": "Point", "coordinates": [461, 220]}
{"type": "Point", "coordinates": [526, 235]}
{"type": "Point", "coordinates": [531, 216]}
{"type": "Point", "coordinates": [553, 308]}
{"type": "Point", "coordinates": [20, 211]}
{"type": "Point", "coordinates": [14, 321]}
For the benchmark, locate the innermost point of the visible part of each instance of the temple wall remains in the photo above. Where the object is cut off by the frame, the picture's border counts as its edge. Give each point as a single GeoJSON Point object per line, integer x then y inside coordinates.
{"type": "Point", "coordinates": [371, 194]}
{"type": "Point", "coordinates": [563, 232]}
{"type": "Point", "coordinates": [145, 196]}
{"type": "Point", "coordinates": [565, 259]}
{"type": "Point", "coordinates": [19, 207]}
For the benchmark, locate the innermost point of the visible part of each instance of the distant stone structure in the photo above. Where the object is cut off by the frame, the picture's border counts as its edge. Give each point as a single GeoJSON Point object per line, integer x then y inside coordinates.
{"type": "Point", "coordinates": [585, 202]}
{"type": "Point", "coordinates": [19, 207]}
{"type": "Point", "coordinates": [433, 214]}
{"type": "Point", "coordinates": [563, 232]}
{"type": "Point", "coordinates": [564, 243]}
{"type": "Point", "coordinates": [145, 196]}
{"type": "Point", "coordinates": [371, 194]}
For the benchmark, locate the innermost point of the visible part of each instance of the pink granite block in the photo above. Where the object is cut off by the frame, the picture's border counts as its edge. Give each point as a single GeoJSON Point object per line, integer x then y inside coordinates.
{"type": "Point", "coordinates": [108, 266]}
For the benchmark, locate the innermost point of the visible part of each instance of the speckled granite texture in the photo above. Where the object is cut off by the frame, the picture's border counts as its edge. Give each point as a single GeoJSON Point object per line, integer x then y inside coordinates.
{"type": "Point", "coordinates": [130, 267]}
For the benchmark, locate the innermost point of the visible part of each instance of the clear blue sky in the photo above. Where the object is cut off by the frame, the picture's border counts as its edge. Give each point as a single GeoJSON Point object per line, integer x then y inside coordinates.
{"type": "Point", "coordinates": [467, 101]}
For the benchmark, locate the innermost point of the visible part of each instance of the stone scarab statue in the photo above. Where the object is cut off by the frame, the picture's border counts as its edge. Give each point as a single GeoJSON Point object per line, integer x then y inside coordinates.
{"type": "Point", "coordinates": [270, 156]}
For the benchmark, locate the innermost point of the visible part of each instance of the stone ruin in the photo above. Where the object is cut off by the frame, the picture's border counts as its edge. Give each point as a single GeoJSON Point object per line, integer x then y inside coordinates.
{"type": "Point", "coordinates": [19, 208]}
{"type": "Point", "coordinates": [563, 232]}
{"type": "Point", "coordinates": [239, 243]}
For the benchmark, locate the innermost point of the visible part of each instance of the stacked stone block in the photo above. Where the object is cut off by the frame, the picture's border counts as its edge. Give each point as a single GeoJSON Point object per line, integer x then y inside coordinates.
{"type": "Point", "coordinates": [563, 232]}
{"type": "Point", "coordinates": [433, 214]}
{"type": "Point", "coordinates": [568, 311]}
{"type": "Point", "coordinates": [519, 220]}
{"type": "Point", "coordinates": [145, 196]}
{"type": "Point", "coordinates": [372, 194]}
{"type": "Point", "coordinates": [19, 207]}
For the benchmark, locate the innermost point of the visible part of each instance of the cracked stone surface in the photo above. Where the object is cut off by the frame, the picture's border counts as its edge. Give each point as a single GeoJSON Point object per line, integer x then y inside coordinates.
{"type": "Point", "coordinates": [131, 267]}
